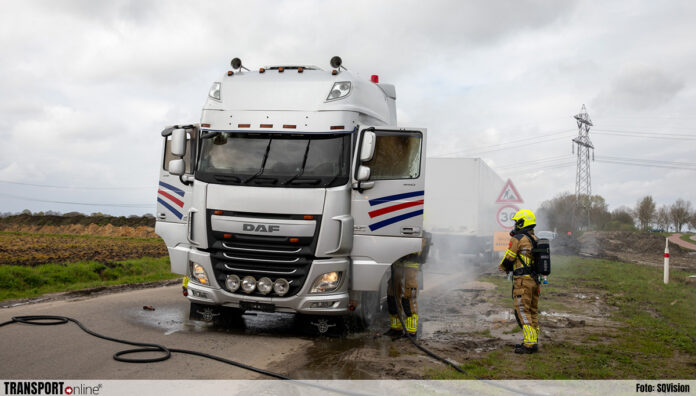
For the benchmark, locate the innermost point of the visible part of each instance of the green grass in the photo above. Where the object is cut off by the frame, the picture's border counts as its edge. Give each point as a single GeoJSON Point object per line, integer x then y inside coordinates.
{"type": "Point", "coordinates": [23, 281]}
{"type": "Point", "coordinates": [657, 338]}
{"type": "Point", "coordinates": [687, 238]}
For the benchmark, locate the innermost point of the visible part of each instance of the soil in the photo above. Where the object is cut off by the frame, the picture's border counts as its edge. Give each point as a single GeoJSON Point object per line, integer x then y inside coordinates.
{"type": "Point", "coordinates": [459, 324]}
{"type": "Point", "coordinates": [82, 229]}
{"type": "Point", "coordinates": [34, 249]}
{"type": "Point", "coordinates": [633, 247]}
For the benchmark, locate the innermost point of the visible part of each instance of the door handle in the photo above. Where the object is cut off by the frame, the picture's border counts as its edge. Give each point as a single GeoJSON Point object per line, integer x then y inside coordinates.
{"type": "Point", "coordinates": [410, 230]}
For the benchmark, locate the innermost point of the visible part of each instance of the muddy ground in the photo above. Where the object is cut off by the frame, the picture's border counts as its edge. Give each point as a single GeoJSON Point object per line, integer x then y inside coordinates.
{"type": "Point", "coordinates": [35, 249]}
{"type": "Point", "coordinates": [458, 323]}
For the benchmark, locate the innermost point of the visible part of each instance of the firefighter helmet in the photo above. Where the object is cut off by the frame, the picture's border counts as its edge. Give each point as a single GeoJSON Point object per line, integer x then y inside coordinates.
{"type": "Point", "coordinates": [524, 218]}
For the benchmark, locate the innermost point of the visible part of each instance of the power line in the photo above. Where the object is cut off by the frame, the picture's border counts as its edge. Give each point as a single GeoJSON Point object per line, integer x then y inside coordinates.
{"type": "Point", "coordinates": [686, 135]}
{"type": "Point", "coordinates": [517, 142]}
{"type": "Point", "coordinates": [74, 187]}
{"type": "Point", "coordinates": [116, 205]}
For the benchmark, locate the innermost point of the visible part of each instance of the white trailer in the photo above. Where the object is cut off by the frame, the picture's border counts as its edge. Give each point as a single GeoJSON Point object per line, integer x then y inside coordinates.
{"type": "Point", "coordinates": [295, 193]}
{"type": "Point", "coordinates": [460, 211]}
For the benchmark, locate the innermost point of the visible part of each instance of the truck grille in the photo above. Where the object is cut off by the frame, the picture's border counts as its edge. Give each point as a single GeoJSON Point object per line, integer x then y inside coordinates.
{"type": "Point", "coordinates": [261, 256]}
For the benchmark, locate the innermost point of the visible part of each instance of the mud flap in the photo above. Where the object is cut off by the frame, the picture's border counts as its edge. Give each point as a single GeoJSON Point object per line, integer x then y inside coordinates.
{"type": "Point", "coordinates": [216, 314]}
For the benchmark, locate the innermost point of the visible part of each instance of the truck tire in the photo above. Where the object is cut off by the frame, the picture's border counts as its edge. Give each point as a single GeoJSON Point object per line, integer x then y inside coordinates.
{"type": "Point", "coordinates": [370, 311]}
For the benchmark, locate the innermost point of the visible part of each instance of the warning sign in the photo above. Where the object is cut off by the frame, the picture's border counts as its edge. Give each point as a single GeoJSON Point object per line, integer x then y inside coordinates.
{"type": "Point", "coordinates": [501, 241]}
{"type": "Point", "coordinates": [509, 194]}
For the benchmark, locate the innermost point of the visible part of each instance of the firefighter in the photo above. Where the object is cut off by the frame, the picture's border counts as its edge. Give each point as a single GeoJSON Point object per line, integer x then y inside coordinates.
{"type": "Point", "coordinates": [525, 287]}
{"type": "Point", "coordinates": [405, 275]}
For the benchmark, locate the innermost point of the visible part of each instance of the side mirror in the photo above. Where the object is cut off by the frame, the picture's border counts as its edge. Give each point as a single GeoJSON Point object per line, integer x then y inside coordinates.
{"type": "Point", "coordinates": [363, 173]}
{"type": "Point", "coordinates": [177, 167]}
{"type": "Point", "coordinates": [178, 146]}
{"type": "Point", "coordinates": [368, 147]}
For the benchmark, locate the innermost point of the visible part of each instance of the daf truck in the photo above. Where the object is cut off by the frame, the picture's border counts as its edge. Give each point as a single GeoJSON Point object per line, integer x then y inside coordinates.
{"type": "Point", "coordinates": [295, 193]}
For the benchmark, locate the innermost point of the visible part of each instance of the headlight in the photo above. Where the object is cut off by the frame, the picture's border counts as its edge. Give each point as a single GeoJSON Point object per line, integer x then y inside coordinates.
{"type": "Point", "coordinates": [339, 90]}
{"type": "Point", "coordinates": [281, 286]}
{"type": "Point", "coordinates": [215, 91]}
{"type": "Point", "coordinates": [326, 282]}
{"type": "Point", "coordinates": [248, 284]}
{"type": "Point", "coordinates": [199, 274]}
{"type": "Point", "coordinates": [232, 283]}
{"type": "Point", "coordinates": [265, 285]}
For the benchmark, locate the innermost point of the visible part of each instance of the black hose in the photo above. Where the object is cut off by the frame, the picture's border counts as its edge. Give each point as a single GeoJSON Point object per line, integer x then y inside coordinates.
{"type": "Point", "coordinates": [410, 337]}
{"type": "Point", "coordinates": [434, 355]}
{"type": "Point", "coordinates": [51, 320]}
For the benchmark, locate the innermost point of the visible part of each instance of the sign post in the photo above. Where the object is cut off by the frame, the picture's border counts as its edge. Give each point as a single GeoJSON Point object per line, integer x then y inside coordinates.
{"type": "Point", "coordinates": [508, 197]}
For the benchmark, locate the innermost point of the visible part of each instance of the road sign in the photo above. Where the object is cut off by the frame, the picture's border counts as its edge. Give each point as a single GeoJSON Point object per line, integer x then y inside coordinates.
{"type": "Point", "coordinates": [505, 214]}
{"type": "Point", "coordinates": [501, 241]}
{"type": "Point", "coordinates": [509, 194]}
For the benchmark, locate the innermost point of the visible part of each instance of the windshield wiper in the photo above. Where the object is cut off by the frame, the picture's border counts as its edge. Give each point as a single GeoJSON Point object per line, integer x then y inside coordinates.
{"type": "Point", "coordinates": [304, 162]}
{"type": "Point", "coordinates": [226, 178]}
{"type": "Point", "coordinates": [263, 164]}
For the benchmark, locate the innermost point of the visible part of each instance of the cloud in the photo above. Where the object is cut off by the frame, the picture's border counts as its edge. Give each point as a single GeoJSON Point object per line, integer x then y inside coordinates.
{"type": "Point", "coordinates": [639, 89]}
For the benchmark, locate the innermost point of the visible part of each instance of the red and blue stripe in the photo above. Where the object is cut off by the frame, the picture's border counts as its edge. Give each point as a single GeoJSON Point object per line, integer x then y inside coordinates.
{"type": "Point", "coordinates": [172, 199]}
{"type": "Point", "coordinates": [393, 208]}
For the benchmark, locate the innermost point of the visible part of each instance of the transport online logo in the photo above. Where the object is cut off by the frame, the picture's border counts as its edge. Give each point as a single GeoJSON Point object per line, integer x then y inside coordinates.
{"type": "Point", "coordinates": [49, 388]}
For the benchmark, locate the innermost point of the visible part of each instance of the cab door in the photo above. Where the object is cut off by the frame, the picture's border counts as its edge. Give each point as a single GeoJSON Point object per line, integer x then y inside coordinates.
{"type": "Point", "coordinates": [389, 202]}
{"type": "Point", "coordinates": [173, 193]}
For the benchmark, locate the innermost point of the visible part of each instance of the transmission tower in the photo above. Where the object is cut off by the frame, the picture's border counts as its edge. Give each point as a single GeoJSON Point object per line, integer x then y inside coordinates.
{"type": "Point", "coordinates": [583, 180]}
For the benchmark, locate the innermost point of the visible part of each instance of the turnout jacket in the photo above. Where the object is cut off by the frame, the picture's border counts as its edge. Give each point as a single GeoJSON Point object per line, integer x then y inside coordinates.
{"type": "Point", "coordinates": [519, 251]}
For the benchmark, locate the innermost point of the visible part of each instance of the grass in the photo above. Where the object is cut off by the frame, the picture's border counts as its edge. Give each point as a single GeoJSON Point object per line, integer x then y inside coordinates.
{"type": "Point", "coordinates": [687, 238]}
{"type": "Point", "coordinates": [657, 338]}
{"type": "Point", "coordinates": [18, 281]}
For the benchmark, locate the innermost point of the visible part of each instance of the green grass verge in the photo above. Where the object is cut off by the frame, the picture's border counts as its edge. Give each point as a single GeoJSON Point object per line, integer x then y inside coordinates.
{"type": "Point", "coordinates": [687, 238]}
{"type": "Point", "coordinates": [22, 281]}
{"type": "Point", "coordinates": [657, 338]}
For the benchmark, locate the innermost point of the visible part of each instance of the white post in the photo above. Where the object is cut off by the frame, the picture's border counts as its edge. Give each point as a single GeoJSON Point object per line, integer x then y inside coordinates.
{"type": "Point", "coordinates": [666, 261]}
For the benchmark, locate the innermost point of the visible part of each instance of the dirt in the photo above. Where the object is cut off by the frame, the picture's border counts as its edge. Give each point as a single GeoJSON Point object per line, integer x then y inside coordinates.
{"type": "Point", "coordinates": [461, 323]}
{"type": "Point", "coordinates": [33, 249]}
{"type": "Point", "coordinates": [81, 229]}
{"type": "Point", "coordinates": [633, 247]}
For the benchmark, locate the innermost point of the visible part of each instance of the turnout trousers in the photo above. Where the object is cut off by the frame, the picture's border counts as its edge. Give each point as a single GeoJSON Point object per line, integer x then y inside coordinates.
{"type": "Point", "coordinates": [525, 297]}
{"type": "Point", "coordinates": [405, 276]}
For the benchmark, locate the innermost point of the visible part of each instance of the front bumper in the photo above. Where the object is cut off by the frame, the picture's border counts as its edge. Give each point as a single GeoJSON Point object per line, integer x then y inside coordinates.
{"type": "Point", "coordinates": [334, 303]}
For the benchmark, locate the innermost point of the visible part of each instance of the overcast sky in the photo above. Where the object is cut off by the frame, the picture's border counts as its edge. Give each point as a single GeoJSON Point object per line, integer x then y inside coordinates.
{"type": "Point", "coordinates": [86, 87]}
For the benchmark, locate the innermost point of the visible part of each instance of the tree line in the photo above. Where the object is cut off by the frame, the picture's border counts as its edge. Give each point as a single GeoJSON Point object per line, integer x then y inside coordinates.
{"type": "Point", "coordinates": [567, 212]}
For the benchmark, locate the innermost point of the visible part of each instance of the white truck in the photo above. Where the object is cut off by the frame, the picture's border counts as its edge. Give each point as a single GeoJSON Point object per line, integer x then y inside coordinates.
{"type": "Point", "coordinates": [295, 193]}
{"type": "Point", "coordinates": [460, 213]}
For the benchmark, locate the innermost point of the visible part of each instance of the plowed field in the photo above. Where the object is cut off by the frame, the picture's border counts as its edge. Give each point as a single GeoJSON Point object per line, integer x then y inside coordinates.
{"type": "Point", "coordinates": [34, 249]}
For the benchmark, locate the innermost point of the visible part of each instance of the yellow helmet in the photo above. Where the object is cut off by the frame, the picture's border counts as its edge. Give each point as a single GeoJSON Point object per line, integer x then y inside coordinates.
{"type": "Point", "coordinates": [524, 218]}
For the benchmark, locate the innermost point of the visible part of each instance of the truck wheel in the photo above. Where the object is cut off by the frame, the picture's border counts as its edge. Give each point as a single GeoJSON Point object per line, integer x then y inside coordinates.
{"type": "Point", "coordinates": [369, 312]}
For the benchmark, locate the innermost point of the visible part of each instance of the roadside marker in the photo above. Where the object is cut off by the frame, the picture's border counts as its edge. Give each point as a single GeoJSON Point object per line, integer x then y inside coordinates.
{"type": "Point", "coordinates": [666, 274]}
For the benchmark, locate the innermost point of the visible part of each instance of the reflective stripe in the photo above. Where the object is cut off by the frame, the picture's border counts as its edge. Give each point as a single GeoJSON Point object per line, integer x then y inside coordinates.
{"type": "Point", "coordinates": [411, 265]}
{"type": "Point", "coordinates": [529, 334]}
{"type": "Point", "coordinates": [412, 323]}
{"type": "Point", "coordinates": [521, 308]}
{"type": "Point", "coordinates": [395, 322]}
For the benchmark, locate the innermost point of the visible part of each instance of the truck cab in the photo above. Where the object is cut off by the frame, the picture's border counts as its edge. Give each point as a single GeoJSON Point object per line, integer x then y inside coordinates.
{"type": "Point", "coordinates": [295, 193]}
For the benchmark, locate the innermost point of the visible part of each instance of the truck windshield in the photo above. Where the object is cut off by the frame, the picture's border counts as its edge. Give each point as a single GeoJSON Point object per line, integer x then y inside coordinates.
{"type": "Point", "coordinates": [309, 160]}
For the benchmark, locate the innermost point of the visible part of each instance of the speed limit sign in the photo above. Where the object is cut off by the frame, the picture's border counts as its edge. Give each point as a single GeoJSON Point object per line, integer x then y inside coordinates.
{"type": "Point", "coordinates": [505, 214]}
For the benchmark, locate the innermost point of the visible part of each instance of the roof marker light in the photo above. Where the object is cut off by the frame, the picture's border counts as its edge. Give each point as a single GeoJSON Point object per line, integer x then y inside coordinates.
{"type": "Point", "coordinates": [281, 69]}
{"type": "Point", "coordinates": [374, 78]}
{"type": "Point", "coordinates": [288, 126]}
{"type": "Point", "coordinates": [334, 72]}
{"type": "Point", "coordinates": [243, 125]}
{"type": "Point", "coordinates": [300, 69]}
{"type": "Point", "coordinates": [266, 125]}
{"type": "Point", "coordinates": [261, 70]}
{"type": "Point", "coordinates": [335, 127]}
{"type": "Point", "coordinates": [230, 72]}
{"type": "Point", "coordinates": [205, 125]}
{"type": "Point", "coordinates": [308, 217]}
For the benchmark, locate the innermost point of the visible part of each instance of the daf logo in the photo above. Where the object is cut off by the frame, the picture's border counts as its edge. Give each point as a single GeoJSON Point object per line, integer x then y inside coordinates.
{"type": "Point", "coordinates": [260, 228]}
